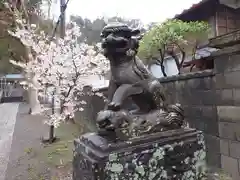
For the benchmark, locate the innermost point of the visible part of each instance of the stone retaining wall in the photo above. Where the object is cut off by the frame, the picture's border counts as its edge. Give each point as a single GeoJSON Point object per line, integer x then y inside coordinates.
{"type": "Point", "coordinates": [196, 92]}
{"type": "Point", "coordinates": [227, 68]}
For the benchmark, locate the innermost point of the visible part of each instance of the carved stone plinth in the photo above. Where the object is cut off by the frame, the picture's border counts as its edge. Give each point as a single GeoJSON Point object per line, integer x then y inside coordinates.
{"type": "Point", "coordinates": [171, 155]}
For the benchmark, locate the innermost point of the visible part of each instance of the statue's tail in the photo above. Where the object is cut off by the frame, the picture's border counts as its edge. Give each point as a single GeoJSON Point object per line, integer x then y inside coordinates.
{"type": "Point", "coordinates": [176, 114]}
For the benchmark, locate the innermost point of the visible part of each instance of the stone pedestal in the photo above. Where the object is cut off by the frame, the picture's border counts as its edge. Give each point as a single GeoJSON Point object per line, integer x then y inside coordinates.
{"type": "Point", "coordinates": [171, 155]}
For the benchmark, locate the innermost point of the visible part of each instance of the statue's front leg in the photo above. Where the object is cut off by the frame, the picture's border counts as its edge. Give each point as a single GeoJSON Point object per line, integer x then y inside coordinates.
{"type": "Point", "coordinates": [111, 90]}
{"type": "Point", "coordinates": [121, 94]}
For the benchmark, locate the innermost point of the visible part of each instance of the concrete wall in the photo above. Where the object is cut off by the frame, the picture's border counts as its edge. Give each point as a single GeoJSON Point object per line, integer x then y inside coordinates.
{"type": "Point", "coordinates": [227, 68]}
{"type": "Point", "coordinates": [196, 93]}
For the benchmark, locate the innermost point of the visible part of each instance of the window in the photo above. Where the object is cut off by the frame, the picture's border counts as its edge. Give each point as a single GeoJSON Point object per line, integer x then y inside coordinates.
{"type": "Point", "coordinates": [227, 20]}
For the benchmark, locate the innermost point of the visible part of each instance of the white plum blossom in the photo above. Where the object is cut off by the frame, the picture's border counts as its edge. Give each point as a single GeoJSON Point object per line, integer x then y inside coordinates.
{"type": "Point", "coordinates": [60, 66]}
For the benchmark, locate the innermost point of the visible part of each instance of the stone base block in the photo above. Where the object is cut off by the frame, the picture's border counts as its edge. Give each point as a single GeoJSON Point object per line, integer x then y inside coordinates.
{"type": "Point", "coordinates": [171, 155]}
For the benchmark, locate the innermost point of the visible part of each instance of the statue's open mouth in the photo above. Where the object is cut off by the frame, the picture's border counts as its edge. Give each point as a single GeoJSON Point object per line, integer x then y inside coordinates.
{"type": "Point", "coordinates": [113, 42]}
{"type": "Point", "coordinates": [116, 45]}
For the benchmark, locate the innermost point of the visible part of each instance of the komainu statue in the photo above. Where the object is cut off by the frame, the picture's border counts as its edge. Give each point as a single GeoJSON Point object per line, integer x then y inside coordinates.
{"type": "Point", "coordinates": [130, 79]}
{"type": "Point", "coordinates": [140, 136]}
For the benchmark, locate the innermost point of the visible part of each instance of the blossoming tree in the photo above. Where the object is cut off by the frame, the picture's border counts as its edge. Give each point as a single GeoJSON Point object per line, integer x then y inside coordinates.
{"type": "Point", "coordinates": [58, 68]}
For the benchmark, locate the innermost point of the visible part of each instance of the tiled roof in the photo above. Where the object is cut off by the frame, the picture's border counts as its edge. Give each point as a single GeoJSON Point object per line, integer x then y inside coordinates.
{"type": "Point", "coordinates": [13, 76]}
{"type": "Point", "coordinates": [191, 8]}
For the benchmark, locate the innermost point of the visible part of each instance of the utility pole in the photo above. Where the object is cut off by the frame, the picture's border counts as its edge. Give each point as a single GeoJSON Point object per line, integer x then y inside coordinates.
{"type": "Point", "coordinates": [63, 18]}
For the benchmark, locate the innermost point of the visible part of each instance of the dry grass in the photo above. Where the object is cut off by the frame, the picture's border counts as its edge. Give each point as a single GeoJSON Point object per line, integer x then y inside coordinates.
{"type": "Point", "coordinates": [58, 156]}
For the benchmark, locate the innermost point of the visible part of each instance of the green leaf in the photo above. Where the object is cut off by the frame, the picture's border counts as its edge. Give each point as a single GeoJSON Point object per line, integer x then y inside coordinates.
{"type": "Point", "coordinates": [184, 34]}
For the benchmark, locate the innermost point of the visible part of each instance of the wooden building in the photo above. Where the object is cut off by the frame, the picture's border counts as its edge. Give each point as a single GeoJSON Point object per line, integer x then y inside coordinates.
{"type": "Point", "coordinates": [223, 16]}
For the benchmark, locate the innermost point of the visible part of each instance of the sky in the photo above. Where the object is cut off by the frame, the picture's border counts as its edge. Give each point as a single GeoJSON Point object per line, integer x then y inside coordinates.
{"type": "Point", "coordinates": [148, 10]}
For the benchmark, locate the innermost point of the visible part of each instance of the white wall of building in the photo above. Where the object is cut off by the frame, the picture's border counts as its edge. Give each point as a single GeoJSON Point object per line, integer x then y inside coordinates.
{"type": "Point", "coordinates": [170, 68]}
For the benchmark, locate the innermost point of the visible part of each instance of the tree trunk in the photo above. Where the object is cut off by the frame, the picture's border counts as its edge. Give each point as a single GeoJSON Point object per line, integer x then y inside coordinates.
{"type": "Point", "coordinates": [51, 130]}
{"type": "Point", "coordinates": [162, 56]}
{"type": "Point", "coordinates": [35, 107]}
{"type": "Point", "coordinates": [176, 59]}
{"type": "Point", "coordinates": [163, 69]}
{"type": "Point", "coordinates": [51, 137]}
{"type": "Point", "coordinates": [179, 63]}
{"type": "Point", "coordinates": [51, 134]}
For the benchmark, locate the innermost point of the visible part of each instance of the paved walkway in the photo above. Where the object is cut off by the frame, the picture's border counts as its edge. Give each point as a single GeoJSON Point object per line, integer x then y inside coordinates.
{"type": "Point", "coordinates": [8, 114]}
{"type": "Point", "coordinates": [24, 162]}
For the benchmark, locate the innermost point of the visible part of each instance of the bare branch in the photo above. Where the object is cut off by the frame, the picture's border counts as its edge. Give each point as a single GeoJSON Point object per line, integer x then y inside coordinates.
{"type": "Point", "coordinates": [162, 56]}
{"type": "Point", "coordinates": [191, 68]}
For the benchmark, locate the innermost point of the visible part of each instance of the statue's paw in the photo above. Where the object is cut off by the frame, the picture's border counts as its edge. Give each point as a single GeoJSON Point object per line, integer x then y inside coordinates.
{"type": "Point", "coordinates": [114, 106]}
{"type": "Point", "coordinates": [103, 118]}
